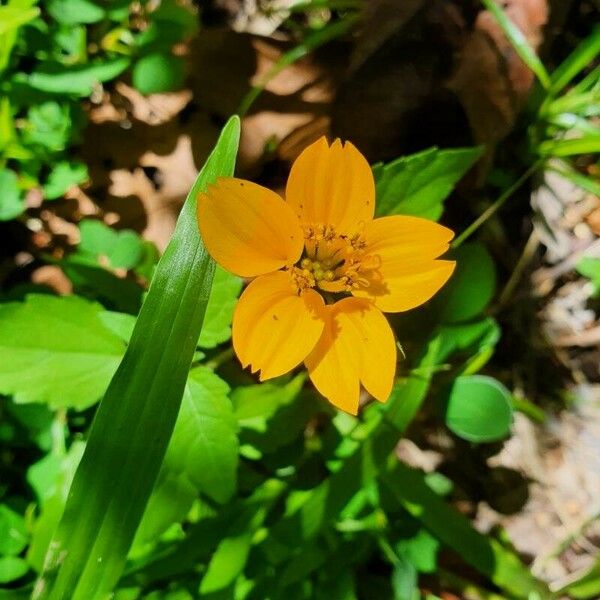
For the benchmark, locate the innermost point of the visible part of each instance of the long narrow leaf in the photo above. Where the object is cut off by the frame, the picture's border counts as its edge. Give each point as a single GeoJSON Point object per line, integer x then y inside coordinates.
{"type": "Point", "coordinates": [579, 59]}
{"type": "Point", "coordinates": [519, 42]}
{"type": "Point", "coordinates": [485, 554]}
{"type": "Point", "coordinates": [134, 422]}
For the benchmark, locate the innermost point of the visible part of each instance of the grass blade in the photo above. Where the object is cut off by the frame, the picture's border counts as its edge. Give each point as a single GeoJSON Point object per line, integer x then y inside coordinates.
{"type": "Point", "coordinates": [134, 422]}
{"type": "Point", "coordinates": [576, 62]}
{"type": "Point", "coordinates": [485, 554]}
{"type": "Point", "coordinates": [519, 42]}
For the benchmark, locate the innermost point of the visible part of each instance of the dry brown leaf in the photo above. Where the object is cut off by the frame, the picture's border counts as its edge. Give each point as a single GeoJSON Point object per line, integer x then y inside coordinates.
{"type": "Point", "coordinates": [491, 81]}
{"type": "Point", "coordinates": [54, 278]}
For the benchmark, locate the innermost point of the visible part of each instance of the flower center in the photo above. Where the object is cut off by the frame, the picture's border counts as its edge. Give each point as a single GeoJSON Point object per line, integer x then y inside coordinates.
{"type": "Point", "coordinates": [333, 262]}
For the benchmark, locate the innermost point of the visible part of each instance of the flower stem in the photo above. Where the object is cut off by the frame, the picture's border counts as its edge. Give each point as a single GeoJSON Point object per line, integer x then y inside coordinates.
{"type": "Point", "coordinates": [493, 208]}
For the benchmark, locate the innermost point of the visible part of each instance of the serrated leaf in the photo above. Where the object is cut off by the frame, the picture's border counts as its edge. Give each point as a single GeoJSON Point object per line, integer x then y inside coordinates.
{"type": "Point", "coordinates": [63, 176]}
{"type": "Point", "coordinates": [219, 312]}
{"type": "Point", "coordinates": [56, 350]}
{"type": "Point", "coordinates": [202, 456]}
{"type": "Point", "coordinates": [420, 551]}
{"type": "Point", "coordinates": [49, 125]}
{"type": "Point", "coordinates": [123, 249]}
{"type": "Point", "coordinates": [204, 442]}
{"type": "Point", "coordinates": [418, 184]}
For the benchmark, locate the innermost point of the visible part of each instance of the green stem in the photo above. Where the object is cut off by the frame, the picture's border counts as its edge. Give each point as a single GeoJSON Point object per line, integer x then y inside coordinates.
{"type": "Point", "coordinates": [493, 208]}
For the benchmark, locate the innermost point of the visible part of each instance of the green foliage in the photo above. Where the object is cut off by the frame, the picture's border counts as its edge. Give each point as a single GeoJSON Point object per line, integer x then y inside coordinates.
{"type": "Point", "coordinates": [13, 535]}
{"type": "Point", "coordinates": [121, 249]}
{"type": "Point", "coordinates": [75, 12]}
{"type": "Point", "coordinates": [11, 568]}
{"type": "Point", "coordinates": [418, 184]}
{"type": "Point", "coordinates": [223, 298]}
{"type": "Point", "coordinates": [590, 268]}
{"type": "Point", "coordinates": [158, 72]}
{"type": "Point", "coordinates": [190, 479]}
{"type": "Point", "coordinates": [479, 408]}
{"type": "Point", "coordinates": [63, 176]}
{"type": "Point", "coordinates": [11, 199]}
{"type": "Point", "coordinates": [89, 549]}
{"type": "Point", "coordinates": [471, 287]}
{"type": "Point", "coordinates": [76, 47]}
{"type": "Point", "coordinates": [56, 350]}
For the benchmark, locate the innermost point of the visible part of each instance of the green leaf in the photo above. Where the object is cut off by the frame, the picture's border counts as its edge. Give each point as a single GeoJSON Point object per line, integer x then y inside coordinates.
{"type": "Point", "coordinates": [37, 419]}
{"type": "Point", "coordinates": [97, 238]}
{"type": "Point", "coordinates": [12, 17]}
{"type": "Point", "coordinates": [158, 72]}
{"type": "Point", "coordinates": [519, 42]}
{"type": "Point", "coordinates": [420, 550]}
{"type": "Point", "coordinates": [56, 350]}
{"type": "Point", "coordinates": [254, 405]}
{"type": "Point", "coordinates": [53, 503]}
{"type": "Point", "coordinates": [119, 323]}
{"type": "Point", "coordinates": [49, 125]}
{"type": "Point", "coordinates": [586, 144]}
{"type": "Point", "coordinates": [226, 563]}
{"type": "Point", "coordinates": [456, 532]}
{"type": "Point", "coordinates": [576, 62]}
{"type": "Point", "coordinates": [590, 267]}
{"type": "Point", "coordinates": [204, 442]}
{"type": "Point", "coordinates": [479, 409]}
{"type": "Point", "coordinates": [73, 12]}
{"type": "Point", "coordinates": [404, 580]}
{"type": "Point", "coordinates": [13, 534]}
{"type": "Point", "coordinates": [471, 344]}
{"type": "Point", "coordinates": [311, 512]}
{"type": "Point", "coordinates": [135, 420]}
{"type": "Point", "coordinates": [12, 568]}
{"type": "Point", "coordinates": [12, 203]}
{"type": "Point", "coordinates": [123, 249]}
{"type": "Point", "coordinates": [63, 176]}
{"type": "Point", "coordinates": [583, 181]}
{"type": "Point", "coordinates": [101, 284]}
{"type": "Point", "coordinates": [471, 286]}
{"type": "Point", "coordinates": [470, 339]}
{"type": "Point", "coordinates": [78, 80]}
{"type": "Point", "coordinates": [42, 476]}
{"type": "Point", "coordinates": [223, 298]}
{"type": "Point", "coordinates": [202, 456]}
{"type": "Point", "coordinates": [418, 184]}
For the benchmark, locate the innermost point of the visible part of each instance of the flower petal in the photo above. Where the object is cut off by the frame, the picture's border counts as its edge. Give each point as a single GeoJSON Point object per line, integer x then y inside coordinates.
{"type": "Point", "coordinates": [405, 285]}
{"type": "Point", "coordinates": [405, 248]}
{"type": "Point", "coordinates": [357, 346]}
{"type": "Point", "coordinates": [273, 327]}
{"type": "Point", "coordinates": [248, 229]}
{"type": "Point", "coordinates": [401, 236]}
{"type": "Point", "coordinates": [332, 185]}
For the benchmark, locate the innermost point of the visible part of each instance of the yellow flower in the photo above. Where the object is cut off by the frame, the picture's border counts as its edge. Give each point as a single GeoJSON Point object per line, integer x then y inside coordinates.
{"type": "Point", "coordinates": [324, 271]}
